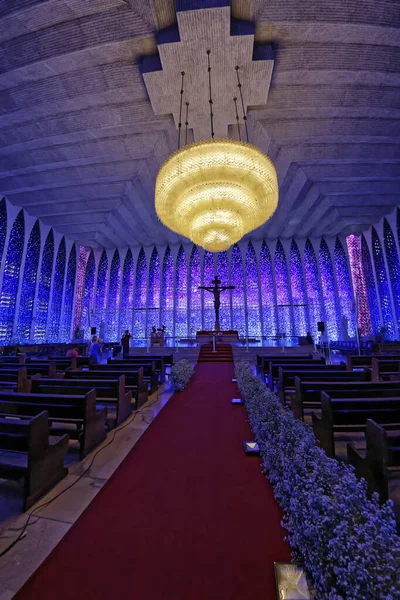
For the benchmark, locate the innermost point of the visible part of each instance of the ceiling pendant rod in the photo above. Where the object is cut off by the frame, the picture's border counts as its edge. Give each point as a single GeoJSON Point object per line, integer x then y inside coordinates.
{"type": "Point", "coordinates": [241, 97]}
{"type": "Point", "coordinates": [180, 112]}
{"type": "Point", "coordinates": [186, 122]}
{"type": "Point", "coordinates": [237, 119]}
{"type": "Point", "coordinates": [210, 95]}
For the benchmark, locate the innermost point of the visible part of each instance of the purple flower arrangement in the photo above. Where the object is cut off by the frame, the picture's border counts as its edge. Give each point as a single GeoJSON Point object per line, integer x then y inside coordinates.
{"type": "Point", "coordinates": [346, 539]}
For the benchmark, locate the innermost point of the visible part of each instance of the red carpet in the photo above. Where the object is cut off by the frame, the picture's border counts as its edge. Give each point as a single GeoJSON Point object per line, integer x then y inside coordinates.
{"type": "Point", "coordinates": [187, 516]}
{"type": "Point", "coordinates": [223, 353]}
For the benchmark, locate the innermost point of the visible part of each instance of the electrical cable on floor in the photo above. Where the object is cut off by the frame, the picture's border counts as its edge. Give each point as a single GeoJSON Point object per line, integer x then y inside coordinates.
{"type": "Point", "coordinates": [115, 431]}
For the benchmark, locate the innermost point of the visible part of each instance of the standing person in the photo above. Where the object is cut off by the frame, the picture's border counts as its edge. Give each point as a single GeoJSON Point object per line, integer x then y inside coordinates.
{"type": "Point", "coordinates": [96, 351]}
{"type": "Point", "coordinates": [125, 343]}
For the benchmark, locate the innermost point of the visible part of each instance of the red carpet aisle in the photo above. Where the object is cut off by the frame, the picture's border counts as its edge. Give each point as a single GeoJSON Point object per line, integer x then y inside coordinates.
{"type": "Point", "coordinates": [187, 516]}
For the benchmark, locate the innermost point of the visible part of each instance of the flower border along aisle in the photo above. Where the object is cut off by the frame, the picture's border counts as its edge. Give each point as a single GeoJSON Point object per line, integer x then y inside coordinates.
{"type": "Point", "coordinates": [347, 541]}
{"type": "Point", "coordinates": [181, 372]}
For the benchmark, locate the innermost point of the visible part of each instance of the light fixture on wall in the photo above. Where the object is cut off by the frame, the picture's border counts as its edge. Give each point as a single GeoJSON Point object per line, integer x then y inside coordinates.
{"type": "Point", "coordinates": [217, 190]}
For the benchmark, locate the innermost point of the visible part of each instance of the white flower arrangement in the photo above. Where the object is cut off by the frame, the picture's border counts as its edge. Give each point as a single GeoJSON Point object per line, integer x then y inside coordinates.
{"type": "Point", "coordinates": [181, 372]}
{"type": "Point", "coordinates": [348, 541]}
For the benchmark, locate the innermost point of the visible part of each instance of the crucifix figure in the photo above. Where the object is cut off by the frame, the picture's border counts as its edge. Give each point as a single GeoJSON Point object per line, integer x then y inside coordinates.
{"type": "Point", "coordinates": [216, 289]}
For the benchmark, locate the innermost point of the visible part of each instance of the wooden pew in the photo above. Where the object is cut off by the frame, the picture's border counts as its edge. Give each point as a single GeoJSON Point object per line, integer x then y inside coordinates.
{"type": "Point", "coordinates": [62, 363]}
{"type": "Point", "coordinates": [308, 391]}
{"type": "Point", "coordinates": [354, 361]}
{"type": "Point", "coordinates": [389, 348]}
{"type": "Point", "coordinates": [110, 393]}
{"type": "Point", "coordinates": [26, 451]}
{"type": "Point", "coordinates": [63, 411]}
{"type": "Point", "coordinates": [273, 367]}
{"type": "Point", "coordinates": [264, 362]}
{"type": "Point", "coordinates": [135, 362]}
{"type": "Point", "coordinates": [15, 379]}
{"type": "Point", "coordinates": [287, 374]}
{"type": "Point", "coordinates": [350, 415]}
{"type": "Point", "coordinates": [12, 360]}
{"type": "Point", "coordinates": [40, 367]}
{"type": "Point", "coordinates": [383, 368]}
{"type": "Point", "coordinates": [149, 372]}
{"type": "Point", "coordinates": [134, 381]}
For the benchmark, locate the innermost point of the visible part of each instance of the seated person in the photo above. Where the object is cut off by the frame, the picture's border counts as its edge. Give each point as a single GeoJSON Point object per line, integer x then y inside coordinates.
{"type": "Point", "coordinates": [72, 353]}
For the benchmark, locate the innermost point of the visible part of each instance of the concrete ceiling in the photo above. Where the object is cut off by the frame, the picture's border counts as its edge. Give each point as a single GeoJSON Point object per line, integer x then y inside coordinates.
{"type": "Point", "coordinates": [80, 145]}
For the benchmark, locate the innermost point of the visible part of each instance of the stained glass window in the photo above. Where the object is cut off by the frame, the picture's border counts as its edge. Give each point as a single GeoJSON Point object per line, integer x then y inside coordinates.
{"type": "Point", "coordinates": [359, 286]}
{"type": "Point", "coordinates": [298, 291]}
{"type": "Point", "coordinates": [88, 295]}
{"type": "Point", "coordinates": [65, 334]}
{"type": "Point", "coordinates": [370, 284]}
{"type": "Point", "coordinates": [154, 290]}
{"type": "Point", "coordinates": [252, 293]}
{"type": "Point", "coordinates": [114, 299]}
{"type": "Point", "coordinates": [126, 310]}
{"type": "Point", "coordinates": [346, 301]}
{"type": "Point", "coordinates": [383, 286]}
{"type": "Point", "coordinates": [58, 290]}
{"type": "Point", "coordinates": [267, 294]}
{"type": "Point", "coordinates": [393, 263]}
{"type": "Point", "coordinates": [43, 295]}
{"type": "Point", "coordinates": [195, 323]}
{"type": "Point", "coordinates": [28, 288]}
{"type": "Point", "coordinates": [285, 325]}
{"type": "Point", "coordinates": [332, 312]}
{"type": "Point", "coordinates": [238, 301]}
{"type": "Point", "coordinates": [101, 294]}
{"type": "Point", "coordinates": [223, 275]}
{"type": "Point", "coordinates": [167, 293]}
{"type": "Point", "coordinates": [3, 226]}
{"type": "Point", "coordinates": [181, 307]}
{"type": "Point", "coordinates": [314, 294]}
{"type": "Point", "coordinates": [11, 272]}
{"type": "Point", "coordinates": [208, 298]}
{"type": "Point", "coordinates": [139, 319]}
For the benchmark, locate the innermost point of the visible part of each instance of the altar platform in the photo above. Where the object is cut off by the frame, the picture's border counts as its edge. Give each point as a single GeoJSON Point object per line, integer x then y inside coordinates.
{"type": "Point", "coordinates": [223, 337]}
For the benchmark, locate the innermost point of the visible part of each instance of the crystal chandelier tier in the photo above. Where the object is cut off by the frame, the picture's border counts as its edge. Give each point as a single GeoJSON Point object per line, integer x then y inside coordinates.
{"type": "Point", "coordinates": [215, 191]}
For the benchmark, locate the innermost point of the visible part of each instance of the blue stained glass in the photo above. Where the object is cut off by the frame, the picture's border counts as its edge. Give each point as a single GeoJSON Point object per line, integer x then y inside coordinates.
{"type": "Point", "coordinates": [370, 285]}
{"type": "Point", "coordinates": [383, 286]}
{"type": "Point", "coordinates": [114, 299]}
{"type": "Point", "coordinates": [398, 224]}
{"type": "Point", "coordinates": [3, 226]}
{"type": "Point", "coordinates": [225, 308]}
{"type": "Point", "coordinates": [298, 291]}
{"type": "Point", "coordinates": [208, 298]}
{"type": "Point", "coordinates": [285, 325]}
{"type": "Point", "coordinates": [58, 289]}
{"type": "Point", "coordinates": [314, 294]}
{"type": "Point", "coordinates": [43, 295]}
{"type": "Point", "coordinates": [181, 307]}
{"type": "Point", "coordinates": [101, 294]}
{"type": "Point", "coordinates": [28, 288]}
{"type": "Point", "coordinates": [139, 318]}
{"type": "Point", "coordinates": [126, 310]}
{"type": "Point", "coordinates": [195, 294]}
{"type": "Point", "coordinates": [154, 290]}
{"type": "Point", "coordinates": [346, 300]}
{"type": "Point", "coordinates": [238, 301]}
{"type": "Point", "coordinates": [11, 273]}
{"type": "Point", "coordinates": [167, 292]}
{"type": "Point", "coordinates": [393, 263]}
{"type": "Point", "coordinates": [66, 322]}
{"type": "Point", "coordinates": [88, 295]}
{"type": "Point", "coordinates": [80, 290]}
{"type": "Point", "coordinates": [267, 293]}
{"type": "Point", "coordinates": [329, 292]}
{"type": "Point", "coordinates": [252, 293]}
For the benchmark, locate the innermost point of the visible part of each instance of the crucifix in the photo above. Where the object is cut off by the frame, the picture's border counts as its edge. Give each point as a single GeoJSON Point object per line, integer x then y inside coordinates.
{"type": "Point", "coordinates": [216, 289]}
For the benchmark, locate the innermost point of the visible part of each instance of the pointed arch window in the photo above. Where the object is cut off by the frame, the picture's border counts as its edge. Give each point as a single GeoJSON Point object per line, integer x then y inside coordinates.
{"type": "Point", "coordinates": [114, 298]}
{"type": "Point", "coordinates": [314, 293]}
{"type": "Point", "coordinates": [11, 274]}
{"type": "Point", "coordinates": [208, 298]}
{"type": "Point", "coordinates": [181, 306]}
{"type": "Point", "coordinates": [252, 293]}
{"type": "Point", "coordinates": [331, 303]}
{"type": "Point", "coordinates": [298, 291]}
{"type": "Point", "coordinates": [267, 294]}
{"type": "Point", "coordinates": [167, 292]}
{"type": "Point", "coordinates": [28, 288]}
{"type": "Point", "coordinates": [195, 320]}
{"type": "Point", "coordinates": [393, 263]}
{"type": "Point", "coordinates": [238, 300]}
{"type": "Point", "coordinates": [383, 286]}
{"type": "Point", "coordinates": [88, 295]}
{"type": "Point", "coordinates": [346, 300]}
{"type": "Point", "coordinates": [58, 290]}
{"type": "Point", "coordinates": [101, 294]}
{"type": "Point", "coordinates": [66, 322]}
{"type": "Point", "coordinates": [360, 289]}
{"type": "Point", "coordinates": [285, 325]}
{"type": "Point", "coordinates": [139, 315]}
{"type": "Point", "coordinates": [43, 295]}
{"type": "Point", "coordinates": [128, 279]}
{"type": "Point", "coordinates": [3, 226]}
{"type": "Point", "coordinates": [154, 290]}
{"type": "Point", "coordinates": [371, 288]}
{"type": "Point", "coordinates": [223, 275]}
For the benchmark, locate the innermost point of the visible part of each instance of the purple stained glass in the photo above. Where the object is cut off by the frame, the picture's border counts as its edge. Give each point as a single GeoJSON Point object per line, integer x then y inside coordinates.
{"type": "Point", "coordinates": [392, 259]}
{"type": "Point", "coordinates": [359, 286]}
{"type": "Point", "coordinates": [114, 296]}
{"type": "Point", "coordinates": [3, 226]}
{"type": "Point", "coordinates": [9, 289]}
{"type": "Point", "coordinates": [139, 316]}
{"type": "Point", "coordinates": [383, 287]}
{"type": "Point", "coordinates": [154, 290]}
{"type": "Point", "coordinates": [346, 301]}
{"type": "Point", "coordinates": [208, 298]}
{"type": "Point", "coordinates": [101, 294]}
{"type": "Point", "coordinates": [268, 300]}
{"type": "Point", "coordinates": [126, 310]}
{"type": "Point", "coordinates": [181, 302]}
{"type": "Point", "coordinates": [298, 291]}
{"type": "Point", "coordinates": [28, 289]}
{"type": "Point", "coordinates": [43, 295]}
{"type": "Point", "coordinates": [53, 334]}
{"type": "Point", "coordinates": [371, 288]}
{"type": "Point", "coordinates": [80, 288]}
{"type": "Point", "coordinates": [167, 293]}
{"type": "Point", "coordinates": [195, 322]}
{"type": "Point", "coordinates": [225, 308]}
{"type": "Point", "coordinates": [314, 293]}
{"type": "Point", "coordinates": [238, 300]}
{"type": "Point", "coordinates": [88, 295]}
{"type": "Point", "coordinates": [252, 293]}
{"type": "Point", "coordinates": [66, 322]}
{"type": "Point", "coordinates": [285, 325]}
{"type": "Point", "coordinates": [332, 313]}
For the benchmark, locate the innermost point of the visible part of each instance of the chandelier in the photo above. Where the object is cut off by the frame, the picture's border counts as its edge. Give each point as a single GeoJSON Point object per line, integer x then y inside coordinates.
{"type": "Point", "coordinates": [215, 191]}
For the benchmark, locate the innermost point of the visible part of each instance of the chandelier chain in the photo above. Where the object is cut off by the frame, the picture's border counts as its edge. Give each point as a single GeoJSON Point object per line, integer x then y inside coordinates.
{"type": "Point", "coordinates": [237, 118]}
{"type": "Point", "coordinates": [241, 98]}
{"type": "Point", "coordinates": [186, 122]}
{"type": "Point", "coordinates": [210, 95]}
{"type": "Point", "coordinates": [180, 111]}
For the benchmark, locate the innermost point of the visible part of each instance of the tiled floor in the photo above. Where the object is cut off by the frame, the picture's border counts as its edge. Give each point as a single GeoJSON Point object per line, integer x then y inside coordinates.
{"type": "Point", "coordinates": [50, 523]}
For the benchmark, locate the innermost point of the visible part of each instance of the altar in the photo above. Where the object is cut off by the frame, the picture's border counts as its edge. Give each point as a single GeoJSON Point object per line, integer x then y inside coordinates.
{"type": "Point", "coordinates": [225, 337]}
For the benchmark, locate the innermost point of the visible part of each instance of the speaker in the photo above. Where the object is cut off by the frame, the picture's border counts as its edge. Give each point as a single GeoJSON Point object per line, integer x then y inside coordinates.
{"type": "Point", "coordinates": [93, 331]}
{"type": "Point", "coordinates": [321, 326]}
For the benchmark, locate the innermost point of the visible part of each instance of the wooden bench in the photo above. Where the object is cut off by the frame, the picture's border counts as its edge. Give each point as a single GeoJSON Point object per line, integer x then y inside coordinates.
{"type": "Point", "coordinates": [383, 368]}
{"type": "Point", "coordinates": [65, 412]}
{"type": "Point", "coordinates": [308, 391]}
{"type": "Point", "coordinates": [27, 451]}
{"type": "Point", "coordinates": [134, 381]}
{"type": "Point", "coordinates": [264, 362]}
{"type": "Point", "coordinates": [159, 365]}
{"type": "Point", "coordinates": [110, 393]}
{"type": "Point", "coordinates": [389, 348]}
{"type": "Point", "coordinates": [354, 361]}
{"type": "Point", "coordinates": [350, 415]}
{"type": "Point", "coordinates": [12, 360]}
{"type": "Point", "coordinates": [40, 367]}
{"type": "Point", "coordinates": [14, 379]}
{"type": "Point", "coordinates": [273, 368]}
{"type": "Point", "coordinates": [287, 374]}
{"type": "Point", "coordinates": [62, 363]}
{"type": "Point", "coordinates": [149, 372]}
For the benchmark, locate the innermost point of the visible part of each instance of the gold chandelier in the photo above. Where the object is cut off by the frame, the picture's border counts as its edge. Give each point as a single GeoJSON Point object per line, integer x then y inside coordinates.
{"type": "Point", "coordinates": [216, 191]}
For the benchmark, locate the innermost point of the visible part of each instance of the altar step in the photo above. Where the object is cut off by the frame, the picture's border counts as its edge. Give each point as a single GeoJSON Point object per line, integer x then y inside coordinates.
{"type": "Point", "coordinates": [223, 353]}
